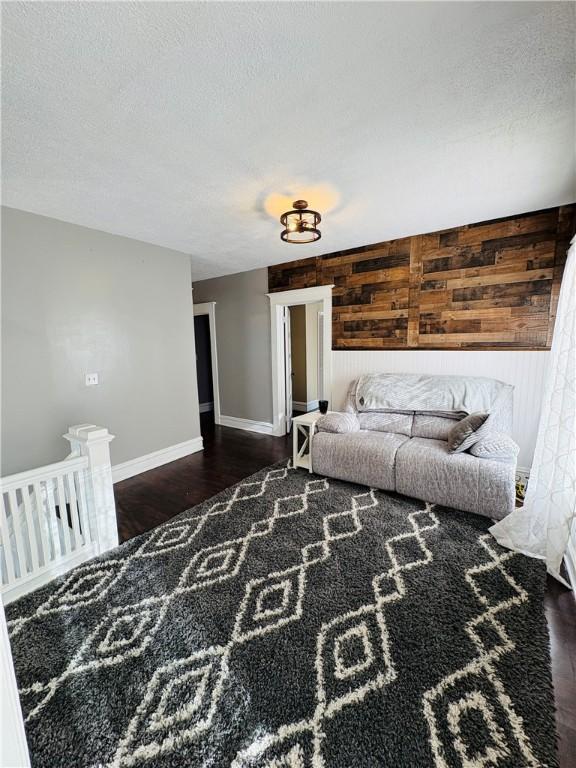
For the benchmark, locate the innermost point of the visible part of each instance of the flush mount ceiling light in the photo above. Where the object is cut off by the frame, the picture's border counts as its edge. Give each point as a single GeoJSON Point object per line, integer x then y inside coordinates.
{"type": "Point", "coordinates": [301, 224]}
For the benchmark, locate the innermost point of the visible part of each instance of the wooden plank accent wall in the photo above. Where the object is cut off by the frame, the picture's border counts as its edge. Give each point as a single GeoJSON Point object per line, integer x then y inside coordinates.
{"type": "Point", "coordinates": [492, 285]}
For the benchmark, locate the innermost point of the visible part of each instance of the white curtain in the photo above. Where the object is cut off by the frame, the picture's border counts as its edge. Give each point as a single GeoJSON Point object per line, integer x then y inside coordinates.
{"type": "Point", "coordinates": [542, 527]}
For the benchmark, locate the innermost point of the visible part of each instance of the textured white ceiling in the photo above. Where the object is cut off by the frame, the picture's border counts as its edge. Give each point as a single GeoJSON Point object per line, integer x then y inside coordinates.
{"type": "Point", "coordinates": [174, 122]}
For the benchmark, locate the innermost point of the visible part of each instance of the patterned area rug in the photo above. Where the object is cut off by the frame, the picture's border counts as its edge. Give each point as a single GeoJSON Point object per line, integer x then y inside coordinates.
{"type": "Point", "coordinates": [292, 621]}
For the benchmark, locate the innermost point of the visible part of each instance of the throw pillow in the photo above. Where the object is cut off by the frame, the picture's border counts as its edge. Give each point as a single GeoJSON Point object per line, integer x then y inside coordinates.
{"type": "Point", "coordinates": [496, 446]}
{"type": "Point", "coordinates": [338, 422]}
{"type": "Point", "coordinates": [464, 433]}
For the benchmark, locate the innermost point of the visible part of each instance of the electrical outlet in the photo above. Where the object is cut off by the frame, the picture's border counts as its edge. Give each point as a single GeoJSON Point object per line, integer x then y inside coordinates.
{"type": "Point", "coordinates": [522, 475]}
{"type": "Point", "coordinates": [91, 379]}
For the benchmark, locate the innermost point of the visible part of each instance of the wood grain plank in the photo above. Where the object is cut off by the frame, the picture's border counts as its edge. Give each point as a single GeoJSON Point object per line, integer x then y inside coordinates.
{"type": "Point", "coordinates": [354, 343]}
{"type": "Point", "coordinates": [375, 315]}
{"type": "Point", "coordinates": [476, 314]}
{"type": "Point", "coordinates": [395, 274]}
{"type": "Point", "coordinates": [501, 278]}
{"type": "Point", "coordinates": [516, 266]}
{"type": "Point", "coordinates": [508, 228]}
{"type": "Point", "coordinates": [451, 338]}
{"type": "Point", "coordinates": [414, 293]}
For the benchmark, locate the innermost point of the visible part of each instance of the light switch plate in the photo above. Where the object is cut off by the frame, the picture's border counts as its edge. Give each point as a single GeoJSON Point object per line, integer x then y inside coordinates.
{"type": "Point", "coordinates": [91, 379]}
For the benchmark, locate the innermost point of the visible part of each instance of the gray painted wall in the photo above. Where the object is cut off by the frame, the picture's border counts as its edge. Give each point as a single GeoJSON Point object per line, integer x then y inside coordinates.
{"type": "Point", "coordinates": [77, 301]}
{"type": "Point", "coordinates": [243, 339]}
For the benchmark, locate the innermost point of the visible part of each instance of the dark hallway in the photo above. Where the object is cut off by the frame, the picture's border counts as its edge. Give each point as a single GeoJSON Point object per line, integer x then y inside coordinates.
{"type": "Point", "coordinates": [204, 369]}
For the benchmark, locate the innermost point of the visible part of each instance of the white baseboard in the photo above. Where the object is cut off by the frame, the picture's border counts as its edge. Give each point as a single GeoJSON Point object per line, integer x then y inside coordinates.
{"type": "Point", "coordinates": [205, 407]}
{"type": "Point", "coordinates": [155, 459]}
{"type": "Point", "coordinates": [311, 405]}
{"type": "Point", "coordinates": [251, 426]}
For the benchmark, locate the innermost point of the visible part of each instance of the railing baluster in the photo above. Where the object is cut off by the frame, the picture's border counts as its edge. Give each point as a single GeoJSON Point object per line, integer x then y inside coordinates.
{"type": "Point", "coordinates": [77, 529]}
{"type": "Point", "coordinates": [48, 545]}
{"type": "Point", "coordinates": [18, 533]}
{"type": "Point", "coordinates": [6, 544]}
{"type": "Point", "coordinates": [33, 541]}
{"type": "Point", "coordinates": [83, 510]}
{"type": "Point", "coordinates": [53, 521]}
{"type": "Point", "coordinates": [63, 513]}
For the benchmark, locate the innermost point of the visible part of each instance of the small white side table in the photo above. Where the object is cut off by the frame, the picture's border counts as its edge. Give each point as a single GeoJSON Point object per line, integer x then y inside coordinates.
{"type": "Point", "coordinates": [304, 425]}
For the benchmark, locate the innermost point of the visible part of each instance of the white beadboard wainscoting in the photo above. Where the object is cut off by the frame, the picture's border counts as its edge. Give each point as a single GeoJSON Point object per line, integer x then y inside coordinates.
{"type": "Point", "coordinates": [524, 370]}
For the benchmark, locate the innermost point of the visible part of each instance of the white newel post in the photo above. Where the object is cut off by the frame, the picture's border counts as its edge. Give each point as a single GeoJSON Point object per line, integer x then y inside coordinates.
{"type": "Point", "coordinates": [93, 442]}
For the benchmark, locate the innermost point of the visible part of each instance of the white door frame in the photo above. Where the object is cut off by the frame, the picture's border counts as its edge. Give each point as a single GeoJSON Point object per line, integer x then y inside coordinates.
{"type": "Point", "coordinates": [278, 301]}
{"type": "Point", "coordinates": [209, 308]}
{"type": "Point", "coordinates": [288, 371]}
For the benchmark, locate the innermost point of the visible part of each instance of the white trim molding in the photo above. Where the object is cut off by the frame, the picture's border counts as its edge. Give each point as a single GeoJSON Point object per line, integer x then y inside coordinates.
{"type": "Point", "coordinates": [155, 459]}
{"type": "Point", "coordinates": [13, 746]}
{"type": "Point", "coordinates": [265, 427]}
{"type": "Point", "coordinates": [209, 308]}
{"type": "Point", "coordinates": [278, 301]}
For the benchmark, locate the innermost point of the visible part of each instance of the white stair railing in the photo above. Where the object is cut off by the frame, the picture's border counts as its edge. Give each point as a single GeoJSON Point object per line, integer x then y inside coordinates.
{"type": "Point", "coordinates": [55, 517]}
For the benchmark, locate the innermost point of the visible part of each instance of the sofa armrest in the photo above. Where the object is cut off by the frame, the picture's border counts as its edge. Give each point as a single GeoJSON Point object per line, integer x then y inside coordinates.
{"type": "Point", "coordinates": [496, 446]}
{"type": "Point", "coordinates": [338, 423]}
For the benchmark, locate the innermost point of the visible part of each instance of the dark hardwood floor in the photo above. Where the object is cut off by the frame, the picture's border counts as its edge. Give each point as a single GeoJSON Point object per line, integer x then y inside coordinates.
{"type": "Point", "coordinates": [229, 455]}
{"type": "Point", "coordinates": [560, 604]}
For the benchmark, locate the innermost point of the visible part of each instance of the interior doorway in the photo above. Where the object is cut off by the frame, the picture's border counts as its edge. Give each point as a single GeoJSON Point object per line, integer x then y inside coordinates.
{"type": "Point", "coordinates": [301, 352]}
{"type": "Point", "coordinates": [207, 364]}
{"type": "Point", "coordinates": [204, 364]}
{"type": "Point", "coordinates": [303, 356]}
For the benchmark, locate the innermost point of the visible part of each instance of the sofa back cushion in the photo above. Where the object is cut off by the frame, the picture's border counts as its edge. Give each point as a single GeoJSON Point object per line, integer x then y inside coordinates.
{"type": "Point", "coordinates": [425, 393]}
{"type": "Point", "coordinates": [433, 427]}
{"type": "Point", "coordinates": [431, 423]}
{"type": "Point", "coordinates": [397, 423]}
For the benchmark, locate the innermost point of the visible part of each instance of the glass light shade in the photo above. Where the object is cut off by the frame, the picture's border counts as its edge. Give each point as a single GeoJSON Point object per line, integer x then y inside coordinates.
{"type": "Point", "coordinates": [301, 224]}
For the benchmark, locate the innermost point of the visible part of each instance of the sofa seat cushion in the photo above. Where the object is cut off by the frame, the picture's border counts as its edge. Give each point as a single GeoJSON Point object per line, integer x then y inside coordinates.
{"type": "Point", "coordinates": [360, 457]}
{"type": "Point", "coordinates": [427, 470]}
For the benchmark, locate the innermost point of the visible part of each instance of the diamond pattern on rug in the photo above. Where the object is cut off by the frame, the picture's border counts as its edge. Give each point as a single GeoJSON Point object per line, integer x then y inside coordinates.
{"type": "Point", "coordinates": [270, 603]}
{"type": "Point", "coordinates": [168, 537]}
{"type": "Point", "coordinates": [294, 622]}
{"type": "Point", "coordinates": [178, 706]}
{"type": "Point", "coordinates": [124, 632]}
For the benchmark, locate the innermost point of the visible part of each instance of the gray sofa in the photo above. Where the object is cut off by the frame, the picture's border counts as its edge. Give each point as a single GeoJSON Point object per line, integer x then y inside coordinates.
{"type": "Point", "coordinates": [401, 445]}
